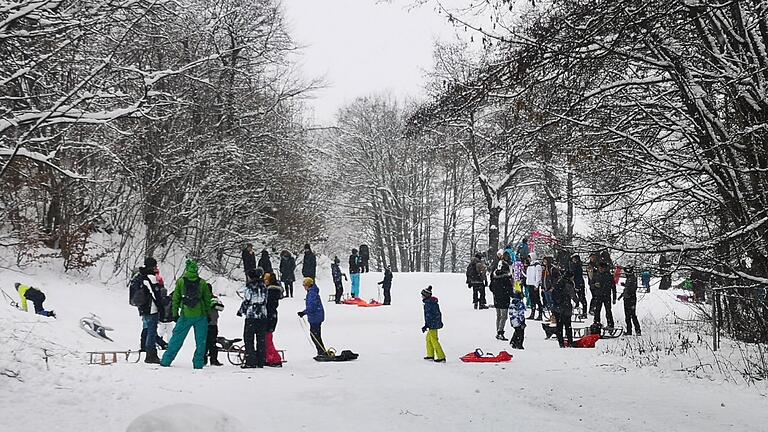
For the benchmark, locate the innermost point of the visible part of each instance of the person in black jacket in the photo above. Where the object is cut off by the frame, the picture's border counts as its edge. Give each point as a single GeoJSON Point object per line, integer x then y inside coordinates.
{"type": "Point", "coordinates": [386, 285]}
{"type": "Point", "coordinates": [354, 272]}
{"type": "Point", "coordinates": [501, 288]}
{"type": "Point", "coordinates": [249, 259]}
{"type": "Point", "coordinates": [309, 265]}
{"type": "Point", "coordinates": [146, 296]}
{"type": "Point", "coordinates": [336, 275]}
{"type": "Point", "coordinates": [265, 262]}
{"type": "Point", "coordinates": [578, 283]}
{"type": "Point", "coordinates": [365, 256]}
{"type": "Point", "coordinates": [563, 296]}
{"type": "Point", "coordinates": [287, 271]}
{"type": "Point", "coordinates": [605, 293]}
{"type": "Point", "coordinates": [274, 294]}
{"type": "Point", "coordinates": [630, 300]}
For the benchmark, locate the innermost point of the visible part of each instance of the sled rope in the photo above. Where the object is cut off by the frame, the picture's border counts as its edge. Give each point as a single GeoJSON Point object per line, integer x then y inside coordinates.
{"type": "Point", "coordinates": [330, 352]}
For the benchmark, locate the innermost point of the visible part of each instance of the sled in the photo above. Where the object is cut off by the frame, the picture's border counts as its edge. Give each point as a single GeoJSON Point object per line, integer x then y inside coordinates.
{"type": "Point", "coordinates": [93, 326]}
{"type": "Point", "coordinates": [372, 303]}
{"type": "Point", "coordinates": [478, 356]}
{"type": "Point", "coordinates": [353, 301]}
{"type": "Point", "coordinates": [617, 275]}
{"type": "Point", "coordinates": [104, 358]}
{"type": "Point", "coordinates": [587, 341]}
{"type": "Point", "coordinates": [331, 356]}
{"type": "Point", "coordinates": [549, 330]}
{"type": "Point", "coordinates": [236, 351]}
{"type": "Point", "coordinates": [605, 333]}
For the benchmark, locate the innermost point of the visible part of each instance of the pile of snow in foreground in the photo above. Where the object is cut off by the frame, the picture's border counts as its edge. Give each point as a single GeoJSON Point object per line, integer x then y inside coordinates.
{"type": "Point", "coordinates": [186, 418]}
{"type": "Point", "coordinates": [390, 387]}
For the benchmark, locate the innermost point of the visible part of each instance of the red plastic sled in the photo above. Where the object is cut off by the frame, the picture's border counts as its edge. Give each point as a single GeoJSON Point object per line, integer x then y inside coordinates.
{"type": "Point", "coordinates": [587, 341]}
{"type": "Point", "coordinates": [479, 357]}
{"type": "Point", "coordinates": [373, 303]}
{"type": "Point", "coordinates": [617, 275]}
{"type": "Point", "coordinates": [353, 301]}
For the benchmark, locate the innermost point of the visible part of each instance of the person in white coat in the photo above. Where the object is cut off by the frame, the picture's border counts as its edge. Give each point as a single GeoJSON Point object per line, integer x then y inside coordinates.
{"type": "Point", "coordinates": [533, 281]}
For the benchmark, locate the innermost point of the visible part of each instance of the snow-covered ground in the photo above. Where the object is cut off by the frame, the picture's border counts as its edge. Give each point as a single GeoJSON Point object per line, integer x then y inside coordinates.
{"type": "Point", "coordinates": [390, 387]}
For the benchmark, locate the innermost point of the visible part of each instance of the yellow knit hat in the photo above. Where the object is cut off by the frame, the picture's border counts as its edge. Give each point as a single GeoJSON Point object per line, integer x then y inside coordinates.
{"type": "Point", "coordinates": [308, 281]}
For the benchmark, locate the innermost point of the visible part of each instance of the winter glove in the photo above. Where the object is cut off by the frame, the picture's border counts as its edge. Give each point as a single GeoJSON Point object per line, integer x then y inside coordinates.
{"type": "Point", "coordinates": [424, 329]}
{"type": "Point", "coordinates": [239, 313]}
{"type": "Point", "coordinates": [301, 314]}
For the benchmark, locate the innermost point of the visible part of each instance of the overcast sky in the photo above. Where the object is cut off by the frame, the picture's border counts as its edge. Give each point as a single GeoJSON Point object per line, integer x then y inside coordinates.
{"type": "Point", "coordinates": [362, 47]}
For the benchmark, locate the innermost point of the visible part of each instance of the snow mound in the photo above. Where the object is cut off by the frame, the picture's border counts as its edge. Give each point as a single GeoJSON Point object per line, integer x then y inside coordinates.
{"type": "Point", "coordinates": [185, 418]}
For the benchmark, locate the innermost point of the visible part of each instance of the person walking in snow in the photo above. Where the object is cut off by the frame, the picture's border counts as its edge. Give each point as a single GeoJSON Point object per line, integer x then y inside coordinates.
{"type": "Point", "coordinates": [249, 258]}
{"type": "Point", "coordinates": [433, 321]}
{"type": "Point", "coordinates": [147, 297]}
{"type": "Point", "coordinates": [336, 275]}
{"type": "Point", "coordinates": [313, 310]}
{"type": "Point", "coordinates": [213, 331]}
{"type": "Point", "coordinates": [501, 288]}
{"type": "Point", "coordinates": [386, 285]}
{"type": "Point", "coordinates": [550, 276]}
{"type": "Point", "coordinates": [563, 296]}
{"type": "Point", "coordinates": [265, 262]}
{"type": "Point", "coordinates": [630, 301]}
{"type": "Point", "coordinates": [605, 294]}
{"type": "Point", "coordinates": [309, 263]}
{"type": "Point", "coordinates": [578, 283]}
{"type": "Point", "coordinates": [191, 305]}
{"type": "Point", "coordinates": [254, 308]}
{"type": "Point", "coordinates": [477, 280]}
{"type": "Point", "coordinates": [533, 280]}
{"type": "Point", "coordinates": [354, 272]}
{"type": "Point", "coordinates": [365, 257]}
{"type": "Point", "coordinates": [34, 295]}
{"type": "Point", "coordinates": [287, 271]}
{"type": "Point", "coordinates": [274, 295]}
{"type": "Point", "coordinates": [646, 278]}
{"type": "Point", "coordinates": [517, 320]}
{"type": "Point", "coordinates": [592, 271]}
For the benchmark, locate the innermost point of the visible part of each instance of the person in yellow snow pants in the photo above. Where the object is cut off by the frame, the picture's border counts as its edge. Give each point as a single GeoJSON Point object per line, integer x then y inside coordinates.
{"type": "Point", "coordinates": [433, 320]}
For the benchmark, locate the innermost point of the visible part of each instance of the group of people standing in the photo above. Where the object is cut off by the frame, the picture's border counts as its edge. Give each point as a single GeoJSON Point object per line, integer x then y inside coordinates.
{"type": "Point", "coordinates": [518, 283]}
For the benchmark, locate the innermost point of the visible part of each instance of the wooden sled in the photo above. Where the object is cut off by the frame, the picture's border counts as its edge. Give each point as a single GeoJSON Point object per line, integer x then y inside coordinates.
{"type": "Point", "coordinates": [104, 358]}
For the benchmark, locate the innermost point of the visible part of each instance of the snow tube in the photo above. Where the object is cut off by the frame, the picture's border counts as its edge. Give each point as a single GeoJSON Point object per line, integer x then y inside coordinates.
{"type": "Point", "coordinates": [587, 341]}
{"type": "Point", "coordinates": [479, 357]}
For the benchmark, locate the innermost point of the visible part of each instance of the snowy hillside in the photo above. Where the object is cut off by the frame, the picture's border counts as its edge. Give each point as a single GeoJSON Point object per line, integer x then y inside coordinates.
{"type": "Point", "coordinates": [390, 387]}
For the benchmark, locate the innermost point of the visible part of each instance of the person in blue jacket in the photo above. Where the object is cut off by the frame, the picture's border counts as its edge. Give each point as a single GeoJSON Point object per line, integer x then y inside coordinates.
{"type": "Point", "coordinates": [315, 314]}
{"type": "Point", "coordinates": [433, 321]}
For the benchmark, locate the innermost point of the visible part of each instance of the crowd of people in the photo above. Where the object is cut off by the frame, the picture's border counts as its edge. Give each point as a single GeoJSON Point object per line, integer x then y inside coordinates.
{"type": "Point", "coordinates": [555, 287]}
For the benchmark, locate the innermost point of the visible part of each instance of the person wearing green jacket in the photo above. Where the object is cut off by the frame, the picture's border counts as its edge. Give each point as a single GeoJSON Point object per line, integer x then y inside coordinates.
{"type": "Point", "coordinates": [191, 306]}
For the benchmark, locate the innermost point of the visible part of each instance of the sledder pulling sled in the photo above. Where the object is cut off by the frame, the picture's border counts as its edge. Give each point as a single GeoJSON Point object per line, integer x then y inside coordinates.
{"type": "Point", "coordinates": [478, 356]}
{"type": "Point", "coordinates": [93, 326]}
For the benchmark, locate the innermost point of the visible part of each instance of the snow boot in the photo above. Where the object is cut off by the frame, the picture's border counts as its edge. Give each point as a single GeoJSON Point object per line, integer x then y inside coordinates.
{"type": "Point", "coordinates": [429, 358]}
{"type": "Point", "coordinates": [442, 360]}
{"type": "Point", "coordinates": [152, 358]}
{"type": "Point", "coordinates": [215, 362]}
{"type": "Point", "coordinates": [500, 336]}
{"type": "Point", "coordinates": [538, 318]}
{"type": "Point", "coordinates": [482, 306]}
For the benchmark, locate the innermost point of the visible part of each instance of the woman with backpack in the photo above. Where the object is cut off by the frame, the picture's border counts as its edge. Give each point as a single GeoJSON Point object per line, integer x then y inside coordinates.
{"type": "Point", "coordinates": [191, 305]}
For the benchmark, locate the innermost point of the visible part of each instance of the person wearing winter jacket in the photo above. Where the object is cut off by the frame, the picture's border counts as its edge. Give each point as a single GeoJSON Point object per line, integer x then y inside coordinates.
{"type": "Point", "coordinates": [605, 293]}
{"type": "Point", "coordinates": [309, 264]}
{"type": "Point", "coordinates": [563, 296]}
{"type": "Point", "coordinates": [191, 305]}
{"type": "Point", "coordinates": [477, 279]}
{"type": "Point", "coordinates": [313, 310]}
{"type": "Point", "coordinates": [274, 294]}
{"type": "Point", "coordinates": [287, 271]}
{"type": "Point", "coordinates": [254, 308]}
{"type": "Point", "coordinates": [249, 258]}
{"type": "Point", "coordinates": [517, 320]}
{"type": "Point", "coordinates": [213, 330]}
{"type": "Point", "coordinates": [433, 321]}
{"type": "Point", "coordinates": [146, 296]}
{"type": "Point", "coordinates": [165, 318]}
{"type": "Point", "coordinates": [336, 275]}
{"type": "Point", "coordinates": [365, 257]}
{"type": "Point", "coordinates": [501, 288]}
{"type": "Point", "coordinates": [592, 271]}
{"type": "Point", "coordinates": [523, 251]}
{"type": "Point", "coordinates": [386, 285]}
{"type": "Point", "coordinates": [34, 295]}
{"type": "Point", "coordinates": [578, 283]}
{"type": "Point", "coordinates": [533, 280]}
{"type": "Point", "coordinates": [630, 300]}
{"type": "Point", "coordinates": [265, 262]}
{"type": "Point", "coordinates": [646, 278]}
{"type": "Point", "coordinates": [549, 277]}
{"type": "Point", "coordinates": [354, 273]}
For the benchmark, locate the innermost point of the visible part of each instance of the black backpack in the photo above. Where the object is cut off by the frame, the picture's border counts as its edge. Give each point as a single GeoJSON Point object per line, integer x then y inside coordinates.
{"type": "Point", "coordinates": [137, 293]}
{"type": "Point", "coordinates": [472, 271]}
{"type": "Point", "coordinates": [191, 293]}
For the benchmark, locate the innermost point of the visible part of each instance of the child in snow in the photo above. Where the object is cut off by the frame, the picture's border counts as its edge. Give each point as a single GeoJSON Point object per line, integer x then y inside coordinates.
{"type": "Point", "coordinates": [313, 309]}
{"type": "Point", "coordinates": [336, 275]}
{"type": "Point", "coordinates": [433, 320]}
{"type": "Point", "coordinates": [254, 307]}
{"type": "Point", "coordinates": [517, 320]}
{"type": "Point", "coordinates": [213, 330]}
{"type": "Point", "coordinates": [386, 285]}
{"type": "Point", "coordinates": [37, 298]}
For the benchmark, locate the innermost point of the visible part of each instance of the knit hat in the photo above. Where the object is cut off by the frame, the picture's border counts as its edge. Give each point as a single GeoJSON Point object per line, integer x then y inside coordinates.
{"type": "Point", "coordinates": [150, 263]}
{"type": "Point", "coordinates": [500, 252]}
{"type": "Point", "coordinates": [306, 246]}
{"type": "Point", "coordinates": [427, 292]}
{"type": "Point", "coordinates": [308, 281]}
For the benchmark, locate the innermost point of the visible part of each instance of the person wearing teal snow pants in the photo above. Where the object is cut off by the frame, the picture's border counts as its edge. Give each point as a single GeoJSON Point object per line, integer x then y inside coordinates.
{"type": "Point", "coordinates": [355, 285]}
{"type": "Point", "coordinates": [180, 332]}
{"type": "Point", "coordinates": [191, 305]}
{"type": "Point", "coordinates": [354, 273]}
